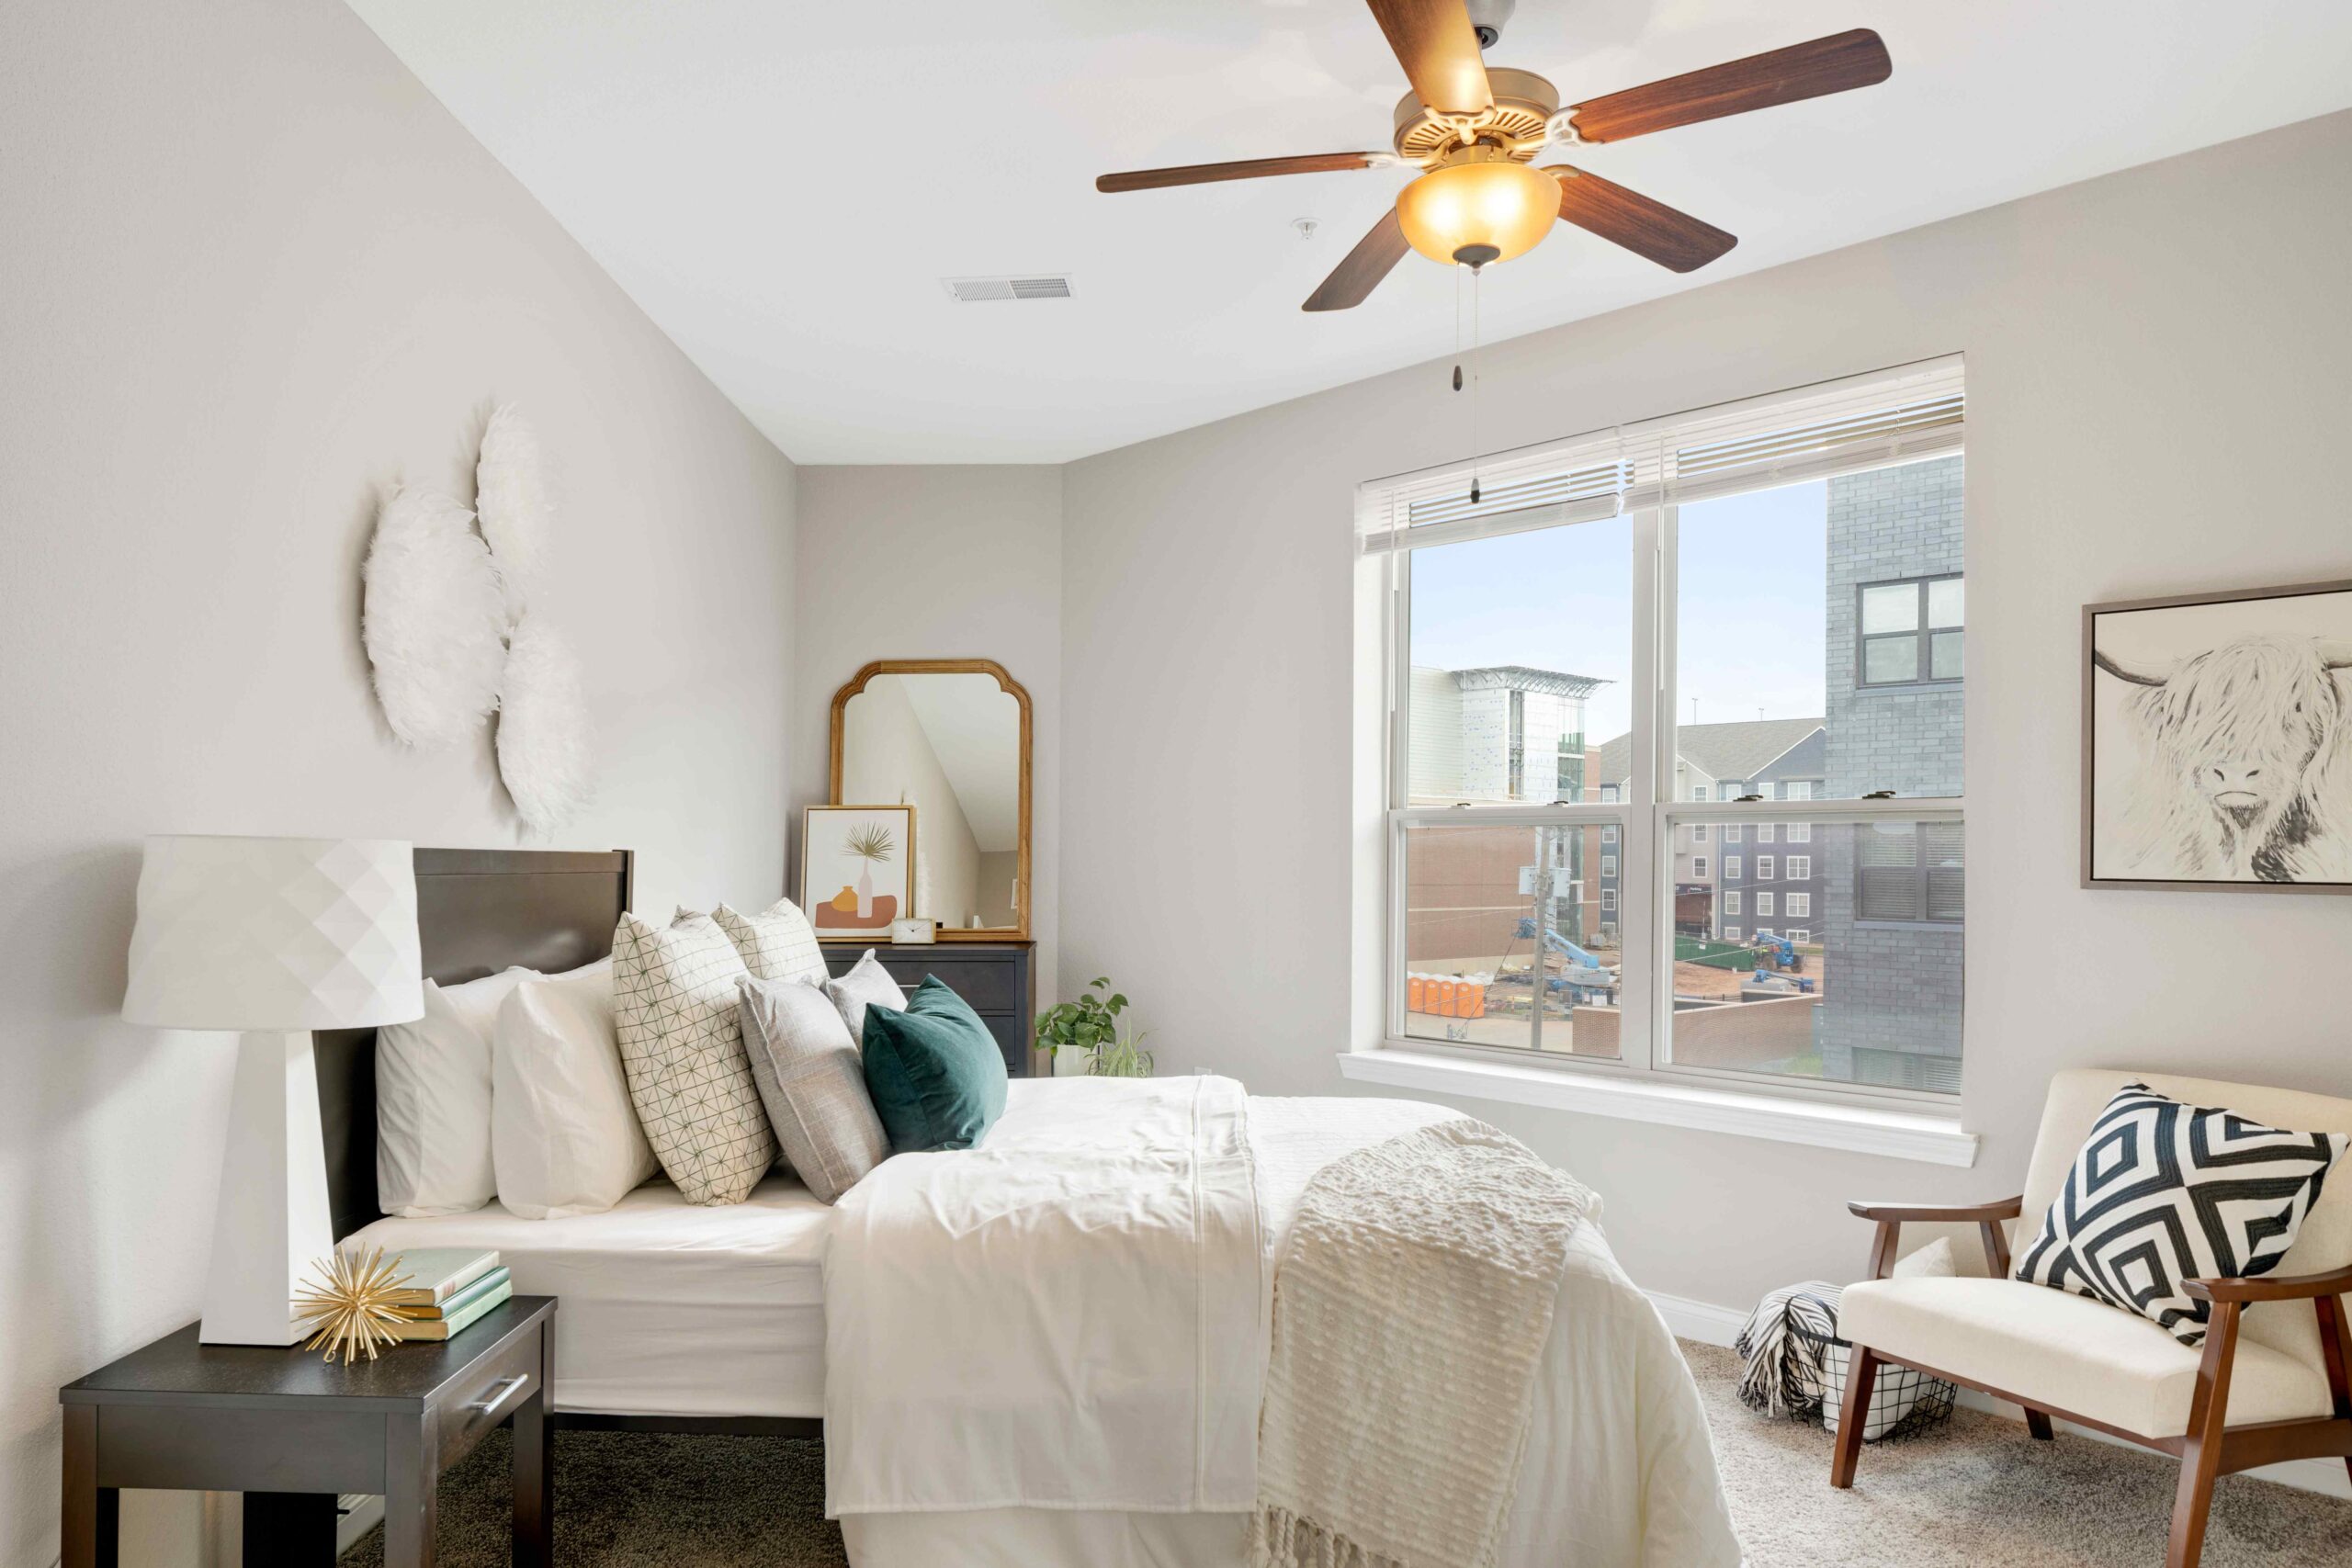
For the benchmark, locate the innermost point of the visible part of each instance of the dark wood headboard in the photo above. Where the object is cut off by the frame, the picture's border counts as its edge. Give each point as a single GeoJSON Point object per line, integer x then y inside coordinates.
{"type": "Point", "coordinates": [478, 911]}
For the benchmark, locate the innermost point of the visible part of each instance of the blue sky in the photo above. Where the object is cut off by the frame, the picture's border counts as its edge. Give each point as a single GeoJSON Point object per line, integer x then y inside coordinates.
{"type": "Point", "coordinates": [1751, 612]}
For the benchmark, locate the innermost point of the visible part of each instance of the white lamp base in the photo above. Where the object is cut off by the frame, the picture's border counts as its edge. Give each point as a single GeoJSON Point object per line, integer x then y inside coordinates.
{"type": "Point", "coordinates": [273, 1222]}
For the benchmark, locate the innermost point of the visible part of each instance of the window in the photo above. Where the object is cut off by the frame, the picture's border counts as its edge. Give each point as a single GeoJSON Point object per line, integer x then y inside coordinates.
{"type": "Point", "coordinates": [1732, 547]}
{"type": "Point", "coordinates": [1800, 936]}
{"type": "Point", "coordinates": [1912, 630]}
{"type": "Point", "coordinates": [1910, 871]}
{"type": "Point", "coordinates": [1731, 933]}
{"type": "Point", "coordinates": [1764, 933]}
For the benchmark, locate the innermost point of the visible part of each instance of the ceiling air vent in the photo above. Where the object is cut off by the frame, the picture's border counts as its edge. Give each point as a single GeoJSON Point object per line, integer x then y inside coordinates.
{"type": "Point", "coordinates": [972, 290]}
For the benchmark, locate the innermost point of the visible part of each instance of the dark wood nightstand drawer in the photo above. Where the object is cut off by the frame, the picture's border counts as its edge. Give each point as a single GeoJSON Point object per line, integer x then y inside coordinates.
{"type": "Point", "coordinates": [492, 1388]}
{"type": "Point", "coordinates": [993, 978]}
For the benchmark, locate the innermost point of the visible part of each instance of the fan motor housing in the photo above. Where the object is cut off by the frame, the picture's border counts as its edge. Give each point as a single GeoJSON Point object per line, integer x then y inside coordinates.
{"type": "Point", "coordinates": [1524, 104]}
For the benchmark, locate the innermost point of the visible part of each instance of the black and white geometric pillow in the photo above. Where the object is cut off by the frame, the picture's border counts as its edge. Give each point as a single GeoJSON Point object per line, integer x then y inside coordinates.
{"type": "Point", "coordinates": [2163, 1192]}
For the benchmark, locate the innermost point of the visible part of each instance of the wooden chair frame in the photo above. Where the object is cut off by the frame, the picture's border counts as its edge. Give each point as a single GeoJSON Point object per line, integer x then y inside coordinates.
{"type": "Point", "coordinates": [2209, 1448]}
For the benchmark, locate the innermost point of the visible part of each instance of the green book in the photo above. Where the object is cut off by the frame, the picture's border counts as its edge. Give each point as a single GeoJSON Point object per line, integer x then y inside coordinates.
{"type": "Point", "coordinates": [466, 1297]}
{"type": "Point", "coordinates": [457, 1323]}
{"type": "Point", "coordinates": [433, 1274]}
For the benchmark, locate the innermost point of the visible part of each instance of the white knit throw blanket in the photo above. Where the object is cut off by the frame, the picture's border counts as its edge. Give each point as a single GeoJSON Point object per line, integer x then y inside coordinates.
{"type": "Point", "coordinates": [1411, 1308]}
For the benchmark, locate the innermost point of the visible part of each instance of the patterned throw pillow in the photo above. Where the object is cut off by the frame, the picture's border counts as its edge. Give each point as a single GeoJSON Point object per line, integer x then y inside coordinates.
{"type": "Point", "coordinates": [776, 943]}
{"type": "Point", "coordinates": [682, 1042]}
{"type": "Point", "coordinates": [2163, 1192]}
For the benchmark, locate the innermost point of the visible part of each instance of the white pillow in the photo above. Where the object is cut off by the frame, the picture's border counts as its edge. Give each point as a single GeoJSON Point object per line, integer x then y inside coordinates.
{"type": "Point", "coordinates": [867, 984]}
{"type": "Point", "coordinates": [776, 943]}
{"type": "Point", "coordinates": [433, 1101]}
{"type": "Point", "coordinates": [562, 1131]}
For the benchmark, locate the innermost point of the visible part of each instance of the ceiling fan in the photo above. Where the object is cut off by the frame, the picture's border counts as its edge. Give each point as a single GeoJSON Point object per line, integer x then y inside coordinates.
{"type": "Point", "coordinates": [1475, 130]}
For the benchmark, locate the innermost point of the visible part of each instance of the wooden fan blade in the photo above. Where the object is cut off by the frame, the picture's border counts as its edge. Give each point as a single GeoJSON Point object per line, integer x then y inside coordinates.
{"type": "Point", "coordinates": [1833, 64]}
{"type": "Point", "coordinates": [1360, 272]}
{"type": "Point", "coordinates": [1627, 217]}
{"type": "Point", "coordinates": [1246, 169]}
{"type": "Point", "coordinates": [1438, 50]}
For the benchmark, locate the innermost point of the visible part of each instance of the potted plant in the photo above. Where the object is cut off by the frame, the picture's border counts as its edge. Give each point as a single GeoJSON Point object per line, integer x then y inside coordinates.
{"type": "Point", "coordinates": [870, 845]}
{"type": "Point", "coordinates": [1089, 1028]}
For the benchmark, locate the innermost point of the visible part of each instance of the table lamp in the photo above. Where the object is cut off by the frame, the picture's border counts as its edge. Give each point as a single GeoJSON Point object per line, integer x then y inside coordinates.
{"type": "Point", "coordinates": [272, 938]}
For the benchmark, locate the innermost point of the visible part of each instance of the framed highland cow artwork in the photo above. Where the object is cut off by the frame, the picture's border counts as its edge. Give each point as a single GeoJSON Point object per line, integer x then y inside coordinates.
{"type": "Point", "coordinates": [2217, 741]}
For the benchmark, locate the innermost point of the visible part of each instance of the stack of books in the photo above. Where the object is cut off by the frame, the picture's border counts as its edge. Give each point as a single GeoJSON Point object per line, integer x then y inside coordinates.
{"type": "Point", "coordinates": [448, 1289]}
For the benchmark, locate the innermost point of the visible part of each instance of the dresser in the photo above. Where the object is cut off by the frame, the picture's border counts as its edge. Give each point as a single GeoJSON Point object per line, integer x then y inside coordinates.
{"type": "Point", "coordinates": [996, 979]}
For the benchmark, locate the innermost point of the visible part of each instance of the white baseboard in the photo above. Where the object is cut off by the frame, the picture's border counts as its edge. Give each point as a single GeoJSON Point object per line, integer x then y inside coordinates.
{"type": "Point", "coordinates": [1712, 1325]}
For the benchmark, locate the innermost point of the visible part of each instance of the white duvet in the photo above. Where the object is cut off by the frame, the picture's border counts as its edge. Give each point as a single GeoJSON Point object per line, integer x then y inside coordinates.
{"type": "Point", "coordinates": [1047, 1352]}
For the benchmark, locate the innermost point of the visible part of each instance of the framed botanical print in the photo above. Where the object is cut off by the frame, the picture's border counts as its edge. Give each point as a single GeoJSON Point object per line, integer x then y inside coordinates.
{"type": "Point", "coordinates": [857, 870]}
{"type": "Point", "coordinates": [2217, 741]}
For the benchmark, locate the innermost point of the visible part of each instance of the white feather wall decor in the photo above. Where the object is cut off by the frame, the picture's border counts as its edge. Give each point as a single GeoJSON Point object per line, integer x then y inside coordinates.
{"type": "Point", "coordinates": [432, 619]}
{"type": "Point", "coordinates": [544, 744]}
{"type": "Point", "coordinates": [516, 502]}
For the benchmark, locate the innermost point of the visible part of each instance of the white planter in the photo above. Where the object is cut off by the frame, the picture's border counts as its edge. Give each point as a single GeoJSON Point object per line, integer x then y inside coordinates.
{"type": "Point", "coordinates": [1072, 1062]}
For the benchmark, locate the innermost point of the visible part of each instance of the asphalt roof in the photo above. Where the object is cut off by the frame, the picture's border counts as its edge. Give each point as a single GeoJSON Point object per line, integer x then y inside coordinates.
{"type": "Point", "coordinates": [1739, 750]}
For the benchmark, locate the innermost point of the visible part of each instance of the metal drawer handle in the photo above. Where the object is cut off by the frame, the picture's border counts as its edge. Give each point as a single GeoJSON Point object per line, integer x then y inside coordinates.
{"type": "Point", "coordinates": [500, 1393]}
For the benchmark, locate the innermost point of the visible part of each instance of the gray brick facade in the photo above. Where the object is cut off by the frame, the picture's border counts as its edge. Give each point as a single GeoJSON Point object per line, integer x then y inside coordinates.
{"type": "Point", "coordinates": [1894, 988]}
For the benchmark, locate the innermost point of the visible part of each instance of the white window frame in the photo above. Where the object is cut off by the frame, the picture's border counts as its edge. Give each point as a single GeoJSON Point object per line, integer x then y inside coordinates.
{"type": "Point", "coordinates": [1796, 868]}
{"type": "Point", "coordinates": [1609, 865]}
{"type": "Point", "coordinates": [1796, 906]}
{"type": "Point", "coordinates": [1764, 868]}
{"type": "Point", "coordinates": [1642, 906]}
{"type": "Point", "coordinates": [1609, 834]}
{"type": "Point", "coordinates": [1731, 832]}
{"type": "Point", "coordinates": [1731, 933]}
{"type": "Point", "coordinates": [1764, 831]}
{"type": "Point", "coordinates": [1698, 868]}
{"type": "Point", "coordinates": [1731, 868]}
{"type": "Point", "coordinates": [1801, 935]}
{"type": "Point", "coordinates": [1763, 904]}
{"type": "Point", "coordinates": [1731, 902]}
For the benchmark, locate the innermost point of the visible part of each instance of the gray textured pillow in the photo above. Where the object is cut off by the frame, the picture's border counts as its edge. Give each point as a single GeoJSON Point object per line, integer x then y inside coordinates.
{"type": "Point", "coordinates": [867, 984]}
{"type": "Point", "coordinates": [813, 1083]}
{"type": "Point", "coordinates": [682, 1042]}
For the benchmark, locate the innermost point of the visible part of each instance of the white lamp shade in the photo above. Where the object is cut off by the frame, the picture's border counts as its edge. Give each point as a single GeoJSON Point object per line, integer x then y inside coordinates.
{"type": "Point", "coordinates": [282, 934]}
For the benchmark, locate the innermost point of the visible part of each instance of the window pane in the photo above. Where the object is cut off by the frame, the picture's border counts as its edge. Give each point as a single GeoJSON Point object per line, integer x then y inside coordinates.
{"type": "Point", "coordinates": [1886, 658]}
{"type": "Point", "coordinates": [1944, 657]}
{"type": "Point", "coordinates": [1801, 616]}
{"type": "Point", "coordinates": [1865, 995]}
{"type": "Point", "coordinates": [1481, 904]}
{"type": "Point", "coordinates": [1521, 646]}
{"type": "Point", "coordinates": [1891, 607]}
{"type": "Point", "coordinates": [1947, 601]}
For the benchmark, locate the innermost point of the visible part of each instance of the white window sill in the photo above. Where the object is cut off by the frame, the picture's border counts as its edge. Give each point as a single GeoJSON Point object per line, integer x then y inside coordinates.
{"type": "Point", "coordinates": [1893, 1134]}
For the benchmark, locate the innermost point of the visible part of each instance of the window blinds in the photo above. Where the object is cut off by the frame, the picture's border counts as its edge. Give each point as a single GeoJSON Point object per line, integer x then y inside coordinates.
{"type": "Point", "coordinates": [1839, 427]}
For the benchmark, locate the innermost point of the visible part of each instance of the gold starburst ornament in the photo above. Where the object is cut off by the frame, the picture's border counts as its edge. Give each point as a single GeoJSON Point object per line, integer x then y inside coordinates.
{"type": "Point", "coordinates": [353, 1308]}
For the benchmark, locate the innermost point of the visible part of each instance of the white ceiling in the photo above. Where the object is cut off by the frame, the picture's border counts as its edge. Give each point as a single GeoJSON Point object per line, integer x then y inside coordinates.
{"type": "Point", "coordinates": [783, 186]}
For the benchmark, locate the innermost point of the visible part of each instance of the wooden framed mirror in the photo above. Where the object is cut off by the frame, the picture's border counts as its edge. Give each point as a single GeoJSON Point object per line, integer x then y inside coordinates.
{"type": "Point", "coordinates": [949, 737]}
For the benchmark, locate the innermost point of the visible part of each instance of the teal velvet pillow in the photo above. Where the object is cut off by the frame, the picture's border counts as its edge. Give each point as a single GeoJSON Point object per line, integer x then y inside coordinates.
{"type": "Point", "coordinates": [934, 1072]}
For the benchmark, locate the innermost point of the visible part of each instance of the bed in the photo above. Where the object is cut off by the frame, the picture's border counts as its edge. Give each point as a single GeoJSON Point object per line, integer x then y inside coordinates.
{"type": "Point", "coordinates": [680, 1318]}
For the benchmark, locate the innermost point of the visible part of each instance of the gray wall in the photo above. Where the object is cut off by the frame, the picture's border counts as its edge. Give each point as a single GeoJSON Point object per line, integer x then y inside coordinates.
{"type": "Point", "coordinates": [1893, 987]}
{"type": "Point", "coordinates": [252, 272]}
{"type": "Point", "coordinates": [2155, 380]}
{"type": "Point", "coordinates": [936, 562]}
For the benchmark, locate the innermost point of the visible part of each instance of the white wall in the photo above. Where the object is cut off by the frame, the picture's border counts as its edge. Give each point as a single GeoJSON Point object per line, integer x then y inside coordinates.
{"type": "Point", "coordinates": [2157, 391]}
{"type": "Point", "coordinates": [252, 271]}
{"type": "Point", "coordinates": [945, 562]}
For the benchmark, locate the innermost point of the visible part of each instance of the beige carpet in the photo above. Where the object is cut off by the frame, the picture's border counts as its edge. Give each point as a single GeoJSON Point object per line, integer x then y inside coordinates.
{"type": "Point", "coordinates": [1976, 1493]}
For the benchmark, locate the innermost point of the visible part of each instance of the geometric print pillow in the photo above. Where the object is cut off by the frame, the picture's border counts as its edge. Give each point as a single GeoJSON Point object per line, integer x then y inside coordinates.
{"type": "Point", "coordinates": [682, 1045]}
{"type": "Point", "coordinates": [776, 943]}
{"type": "Point", "coordinates": [2163, 1192]}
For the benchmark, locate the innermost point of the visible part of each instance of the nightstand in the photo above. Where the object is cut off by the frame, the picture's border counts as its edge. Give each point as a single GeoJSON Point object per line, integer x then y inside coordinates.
{"type": "Point", "coordinates": [290, 1430]}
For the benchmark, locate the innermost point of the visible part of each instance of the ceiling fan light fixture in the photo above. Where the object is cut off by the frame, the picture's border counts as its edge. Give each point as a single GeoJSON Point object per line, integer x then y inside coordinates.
{"type": "Point", "coordinates": [1481, 202]}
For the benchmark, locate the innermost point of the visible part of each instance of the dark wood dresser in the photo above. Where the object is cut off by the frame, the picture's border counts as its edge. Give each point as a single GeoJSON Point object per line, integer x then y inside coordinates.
{"type": "Point", "coordinates": [997, 978]}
